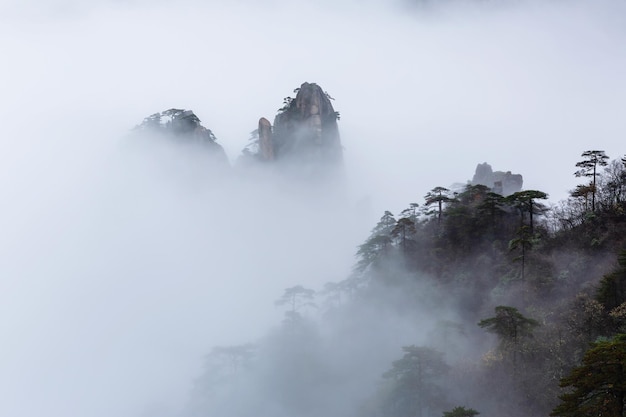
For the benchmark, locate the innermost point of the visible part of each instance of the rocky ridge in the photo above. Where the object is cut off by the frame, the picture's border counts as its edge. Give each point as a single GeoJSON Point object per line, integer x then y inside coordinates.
{"type": "Point", "coordinates": [305, 135]}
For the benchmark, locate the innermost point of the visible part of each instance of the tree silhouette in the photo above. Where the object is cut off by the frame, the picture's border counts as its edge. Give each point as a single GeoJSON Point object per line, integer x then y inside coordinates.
{"type": "Point", "coordinates": [525, 202]}
{"type": "Point", "coordinates": [493, 206]}
{"type": "Point", "coordinates": [583, 191]}
{"type": "Point", "coordinates": [404, 229]}
{"type": "Point", "coordinates": [295, 298]}
{"type": "Point", "coordinates": [415, 382]}
{"type": "Point", "coordinates": [598, 385]}
{"type": "Point", "coordinates": [612, 289]}
{"type": "Point", "coordinates": [612, 186]}
{"type": "Point", "coordinates": [439, 195]}
{"type": "Point", "coordinates": [378, 242]}
{"type": "Point", "coordinates": [461, 412]}
{"type": "Point", "coordinates": [510, 326]}
{"type": "Point", "coordinates": [523, 242]}
{"type": "Point", "coordinates": [236, 356]}
{"type": "Point", "coordinates": [589, 168]}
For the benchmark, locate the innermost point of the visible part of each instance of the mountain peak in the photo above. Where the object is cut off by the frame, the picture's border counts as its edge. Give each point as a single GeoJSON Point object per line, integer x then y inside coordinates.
{"type": "Point", "coordinates": [182, 126]}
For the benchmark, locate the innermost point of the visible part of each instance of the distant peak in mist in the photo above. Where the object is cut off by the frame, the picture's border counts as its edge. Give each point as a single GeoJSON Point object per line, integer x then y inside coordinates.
{"type": "Point", "coordinates": [305, 131]}
{"type": "Point", "coordinates": [183, 126]}
{"type": "Point", "coordinates": [500, 182]}
{"type": "Point", "coordinates": [304, 138]}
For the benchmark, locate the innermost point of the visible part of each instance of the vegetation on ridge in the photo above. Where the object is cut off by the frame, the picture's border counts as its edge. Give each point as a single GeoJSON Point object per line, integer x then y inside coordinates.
{"type": "Point", "coordinates": [429, 287]}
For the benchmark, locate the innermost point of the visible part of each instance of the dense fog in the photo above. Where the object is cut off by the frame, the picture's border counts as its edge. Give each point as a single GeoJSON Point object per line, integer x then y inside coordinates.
{"type": "Point", "coordinates": [124, 263]}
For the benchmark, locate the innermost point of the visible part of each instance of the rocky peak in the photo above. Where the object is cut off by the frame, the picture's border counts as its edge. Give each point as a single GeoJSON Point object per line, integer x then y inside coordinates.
{"type": "Point", "coordinates": [184, 126]}
{"type": "Point", "coordinates": [305, 131]}
{"type": "Point", "coordinates": [304, 137]}
{"type": "Point", "coordinates": [500, 182]}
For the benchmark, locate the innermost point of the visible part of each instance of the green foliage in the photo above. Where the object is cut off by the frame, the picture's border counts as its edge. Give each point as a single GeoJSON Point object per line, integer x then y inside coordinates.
{"type": "Point", "coordinates": [525, 202]}
{"type": "Point", "coordinates": [415, 382]}
{"type": "Point", "coordinates": [461, 412]}
{"type": "Point", "coordinates": [296, 298]}
{"type": "Point", "coordinates": [589, 168]}
{"type": "Point", "coordinates": [523, 243]}
{"type": "Point", "coordinates": [223, 366]}
{"type": "Point", "coordinates": [583, 191]}
{"type": "Point", "coordinates": [612, 289]}
{"type": "Point", "coordinates": [509, 325]}
{"type": "Point", "coordinates": [403, 231]}
{"type": "Point", "coordinates": [411, 212]}
{"type": "Point", "coordinates": [585, 321]}
{"type": "Point", "coordinates": [598, 386]}
{"type": "Point", "coordinates": [463, 253]}
{"type": "Point", "coordinates": [612, 188]}
{"type": "Point", "coordinates": [611, 294]}
{"type": "Point", "coordinates": [286, 104]}
{"type": "Point", "coordinates": [438, 195]}
{"type": "Point", "coordinates": [378, 242]}
{"type": "Point", "coordinates": [465, 245]}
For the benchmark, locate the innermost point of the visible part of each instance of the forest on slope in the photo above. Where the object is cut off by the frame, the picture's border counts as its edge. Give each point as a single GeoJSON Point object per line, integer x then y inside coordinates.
{"type": "Point", "coordinates": [468, 302]}
{"type": "Point", "coordinates": [123, 264]}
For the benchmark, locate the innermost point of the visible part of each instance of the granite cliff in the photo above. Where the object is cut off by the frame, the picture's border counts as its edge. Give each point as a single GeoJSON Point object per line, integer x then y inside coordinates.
{"type": "Point", "coordinates": [500, 182]}
{"type": "Point", "coordinates": [304, 138]}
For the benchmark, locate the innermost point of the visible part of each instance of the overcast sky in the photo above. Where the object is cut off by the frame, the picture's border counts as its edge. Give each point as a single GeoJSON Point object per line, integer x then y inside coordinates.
{"type": "Point", "coordinates": [115, 276]}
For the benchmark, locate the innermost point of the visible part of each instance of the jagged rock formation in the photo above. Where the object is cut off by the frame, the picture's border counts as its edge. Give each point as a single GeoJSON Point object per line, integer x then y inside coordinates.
{"type": "Point", "coordinates": [305, 133]}
{"type": "Point", "coordinates": [303, 142]}
{"type": "Point", "coordinates": [500, 182]}
{"type": "Point", "coordinates": [266, 148]}
{"type": "Point", "coordinates": [185, 127]}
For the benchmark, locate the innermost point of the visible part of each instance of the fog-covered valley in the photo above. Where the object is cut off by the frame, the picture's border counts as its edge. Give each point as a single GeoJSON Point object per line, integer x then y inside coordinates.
{"type": "Point", "coordinates": [125, 263]}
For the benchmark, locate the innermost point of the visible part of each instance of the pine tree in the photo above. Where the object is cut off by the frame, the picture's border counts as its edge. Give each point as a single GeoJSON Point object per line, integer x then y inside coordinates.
{"type": "Point", "coordinates": [598, 386]}
{"type": "Point", "coordinates": [589, 168]}
{"type": "Point", "coordinates": [415, 378]}
{"type": "Point", "coordinates": [511, 327]}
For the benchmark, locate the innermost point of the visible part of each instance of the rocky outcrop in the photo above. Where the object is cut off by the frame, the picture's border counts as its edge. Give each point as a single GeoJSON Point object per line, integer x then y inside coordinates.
{"type": "Point", "coordinates": [266, 147]}
{"type": "Point", "coordinates": [305, 133]}
{"type": "Point", "coordinates": [307, 127]}
{"type": "Point", "coordinates": [500, 182]}
{"type": "Point", "coordinates": [185, 127]}
{"type": "Point", "coordinates": [303, 142]}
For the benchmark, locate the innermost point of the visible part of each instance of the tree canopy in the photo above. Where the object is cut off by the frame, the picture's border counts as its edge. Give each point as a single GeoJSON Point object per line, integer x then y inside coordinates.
{"type": "Point", "coordinates": [598, 386]}
{"type": "Point", "coordinates": [589, 168]}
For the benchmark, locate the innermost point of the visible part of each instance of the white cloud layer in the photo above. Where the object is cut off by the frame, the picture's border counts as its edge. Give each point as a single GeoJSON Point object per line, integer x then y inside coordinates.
{"type": "Point", "coordinates": [117, 274]}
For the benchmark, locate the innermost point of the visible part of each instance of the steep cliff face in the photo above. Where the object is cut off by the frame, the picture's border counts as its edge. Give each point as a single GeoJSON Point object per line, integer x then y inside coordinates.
{"type": "Point", "coordinates": [183, 126]}
{"type": "Point", "coordinates": [500, 182]}
{"type": "Point", "coordinates": [305, 134]}
{"type": "Point", "coordinates": [266, 146]}
{"type": "Point", "coordinates": [307, 127]}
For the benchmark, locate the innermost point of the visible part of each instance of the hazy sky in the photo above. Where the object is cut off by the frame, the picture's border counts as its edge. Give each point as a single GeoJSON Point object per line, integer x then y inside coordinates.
{"type": "Point", "coordinates": [117, 273]}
